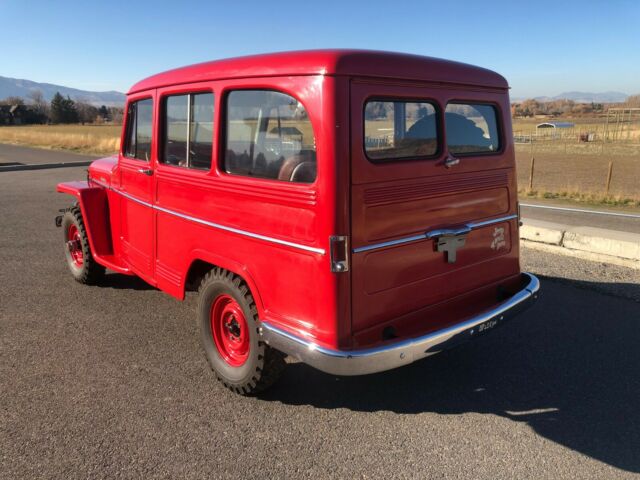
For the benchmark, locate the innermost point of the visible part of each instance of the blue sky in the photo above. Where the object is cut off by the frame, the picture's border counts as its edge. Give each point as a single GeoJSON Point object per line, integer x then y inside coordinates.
{"type": "Point", "coordinates": [542, 47]}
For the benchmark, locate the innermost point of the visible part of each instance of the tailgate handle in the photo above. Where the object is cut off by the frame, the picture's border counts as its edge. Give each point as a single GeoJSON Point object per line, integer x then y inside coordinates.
{"type": "Point", "coordinates": [449, 240]}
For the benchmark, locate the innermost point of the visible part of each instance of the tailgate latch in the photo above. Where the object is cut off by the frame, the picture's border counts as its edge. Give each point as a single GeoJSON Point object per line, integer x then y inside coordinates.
{"type": "Point", "coordinates": [449, 240]}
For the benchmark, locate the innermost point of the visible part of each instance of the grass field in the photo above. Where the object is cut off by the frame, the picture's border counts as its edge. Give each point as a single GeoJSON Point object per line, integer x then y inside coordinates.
{"type": "Point", "coordinates": [99, 139]}
{"type": "Point", "coordinates": [568, 168]}
{"type": "Point", "coordinates": [580, 177]}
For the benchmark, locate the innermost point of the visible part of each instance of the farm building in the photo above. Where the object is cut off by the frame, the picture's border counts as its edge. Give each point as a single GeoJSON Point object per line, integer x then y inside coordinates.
{"type": "Point", "coordinates": [555, 125]}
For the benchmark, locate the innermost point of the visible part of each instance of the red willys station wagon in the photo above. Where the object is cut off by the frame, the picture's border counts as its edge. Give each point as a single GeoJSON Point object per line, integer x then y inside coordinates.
{"type": "Point", "coordinates": [355, 210]}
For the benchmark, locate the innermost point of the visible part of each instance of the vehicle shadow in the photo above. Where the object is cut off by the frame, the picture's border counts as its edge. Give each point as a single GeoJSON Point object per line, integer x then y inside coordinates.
{"type": "Point", "coordinates": [124, 282]}
{"type": "Point", "coordinates": [569, 367]}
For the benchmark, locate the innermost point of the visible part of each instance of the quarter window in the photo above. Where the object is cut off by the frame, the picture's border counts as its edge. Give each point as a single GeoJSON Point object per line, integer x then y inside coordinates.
{"type": "Point", "coordinates": [139, 122]}
{"type": "Point", "coordinates": [471, 128]}
{"type": "Point", "coordinates": [398, 130]}
{"type": "Point", "coordinates": [269, 135]}
{"type": "Point", "coordinates": [188, 130]}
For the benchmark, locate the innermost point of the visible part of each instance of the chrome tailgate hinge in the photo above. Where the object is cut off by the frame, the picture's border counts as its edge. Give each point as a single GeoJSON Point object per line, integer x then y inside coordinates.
{"type": "Point", "coordinates": [339, 253]}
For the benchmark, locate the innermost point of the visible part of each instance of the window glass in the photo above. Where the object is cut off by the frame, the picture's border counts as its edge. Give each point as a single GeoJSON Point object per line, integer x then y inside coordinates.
{"type": "Point", "coordinates": [139, 126]}
{"type": "Point", "coordinates": [471, 128]}
{"type": "Point", "coordinates": [188, 130]}
{"type": "Point", "coordinates": [175, 124]}
{"type": "Point", "coordinates": [269, 135]}
{"type": "Point", "coordinates": [395, 130]}
{"type": "Point", "coordinates": [201, 130]}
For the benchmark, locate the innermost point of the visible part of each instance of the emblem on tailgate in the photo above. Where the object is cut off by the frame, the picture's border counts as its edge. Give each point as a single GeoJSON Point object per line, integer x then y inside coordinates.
{"type": "Point", "coordinates": [450, 245]}
{"type": "Point", "coordinates": [498, 239]}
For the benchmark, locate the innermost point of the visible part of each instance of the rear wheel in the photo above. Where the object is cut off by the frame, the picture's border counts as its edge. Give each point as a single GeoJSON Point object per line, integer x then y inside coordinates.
{"type": "Point", "coordinates": [81, 263]}
{"type": "Point", "coordinates": [228, 321]}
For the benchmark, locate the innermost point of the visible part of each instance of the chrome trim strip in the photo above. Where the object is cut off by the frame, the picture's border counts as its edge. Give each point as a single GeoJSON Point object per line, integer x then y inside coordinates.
{"type": "Point", "coordinates": [435, 233]}
{"type": "Point", "coordinates": [241, 232]}
{"type": "Point", "coordinates": [245, 233]}
{"type": "Point", "coordinates": [387, 357]}
{"type": "Point", "coordinates": [484, 223]}
{"type": "Point", "coordinates": [132, 198]}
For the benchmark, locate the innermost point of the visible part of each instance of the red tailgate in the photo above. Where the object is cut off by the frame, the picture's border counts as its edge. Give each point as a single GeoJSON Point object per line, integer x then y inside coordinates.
{"type": "Point", "coordinates": [397, 271]}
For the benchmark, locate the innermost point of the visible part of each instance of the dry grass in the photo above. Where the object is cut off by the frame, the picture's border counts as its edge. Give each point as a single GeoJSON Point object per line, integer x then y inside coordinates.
{"type": "Point", "coordinates": [581, 197]}
{"type": "Point", "coordinates": [578, 176]}
{"type": "Point", "coordinates": [99, 139]}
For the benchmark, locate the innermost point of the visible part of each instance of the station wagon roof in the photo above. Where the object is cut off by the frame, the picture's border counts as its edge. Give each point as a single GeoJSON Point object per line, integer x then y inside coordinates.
{"type": "Point", "coordinates": [329, 62]}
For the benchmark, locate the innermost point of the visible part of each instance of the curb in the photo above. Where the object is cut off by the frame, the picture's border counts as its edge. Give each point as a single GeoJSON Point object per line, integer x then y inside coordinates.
{"type": "Point", "coordinates": [43, 166]}
{"type": "Point", "coordinates": [620, 248]}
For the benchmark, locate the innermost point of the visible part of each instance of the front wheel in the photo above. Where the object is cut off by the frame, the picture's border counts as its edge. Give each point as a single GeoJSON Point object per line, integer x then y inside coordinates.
{"type": "Point", "coordinates": [77, 251]}
{"type": "Point", "coordinates": [228, 322]}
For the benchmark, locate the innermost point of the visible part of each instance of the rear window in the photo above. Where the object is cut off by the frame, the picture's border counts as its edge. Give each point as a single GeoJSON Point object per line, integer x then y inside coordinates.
{"type": "Point", "coordinates": [471, 128]}
{"type": "Point", "coordinates": [396, 130]}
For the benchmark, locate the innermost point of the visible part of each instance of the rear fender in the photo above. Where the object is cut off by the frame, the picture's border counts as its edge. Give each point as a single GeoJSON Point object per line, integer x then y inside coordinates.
{"type": "Point", "coordinates": [94, 206]}
{"type": "Point", "coordinates": [230, 265]}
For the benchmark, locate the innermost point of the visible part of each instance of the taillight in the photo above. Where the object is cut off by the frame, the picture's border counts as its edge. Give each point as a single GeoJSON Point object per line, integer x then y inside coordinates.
{"type": "Point", "coordinates": [339, 253]}
{"type": "Point", "coordinates": [519, 215]}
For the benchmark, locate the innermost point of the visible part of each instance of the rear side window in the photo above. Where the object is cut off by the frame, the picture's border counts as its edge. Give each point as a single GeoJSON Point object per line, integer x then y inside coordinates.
{"type": "Point", "coordinates": [269, 135]}
{"type": "Point", "coordinates": [471, 128]}
{"type": "Point", "coordinates": [139, 122]}
{"type": "Point", "coordinates": [188, 130]}
{"type": "Point", "coordinates": [398, 129]}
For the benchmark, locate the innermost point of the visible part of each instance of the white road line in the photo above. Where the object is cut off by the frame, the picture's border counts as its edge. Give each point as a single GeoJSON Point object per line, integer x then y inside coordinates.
{"type": "Point", "coordinates": [579, 210]}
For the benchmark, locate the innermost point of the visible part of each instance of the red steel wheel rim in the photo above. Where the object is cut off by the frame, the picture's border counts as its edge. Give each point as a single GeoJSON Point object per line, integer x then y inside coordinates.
{"type": "Point", "coordinates": [74, 244]}
{"type": "Point", "coordinates": [230, 330]}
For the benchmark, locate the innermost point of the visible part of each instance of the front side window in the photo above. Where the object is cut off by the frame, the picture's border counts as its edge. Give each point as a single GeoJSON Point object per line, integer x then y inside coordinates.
{"type": "Point", "coordinates": [188, 130]}
{"type": "Point", "coordinates": [396, 130]}
{"type": "Point", "coordinates": [139, 127]}
{"type": "Point", "coordinates": [471, 128]}
{"type": "Point", "coordinates": [269, 135]}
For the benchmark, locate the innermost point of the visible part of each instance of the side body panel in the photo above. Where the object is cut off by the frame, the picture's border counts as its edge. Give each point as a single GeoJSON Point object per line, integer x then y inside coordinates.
{"type": "Point", "coordinates": [274, 234]}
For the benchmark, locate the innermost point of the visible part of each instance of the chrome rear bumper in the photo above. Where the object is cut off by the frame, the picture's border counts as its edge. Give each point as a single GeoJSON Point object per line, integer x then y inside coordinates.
{"type": "Point", "coordinates": [397, 354]}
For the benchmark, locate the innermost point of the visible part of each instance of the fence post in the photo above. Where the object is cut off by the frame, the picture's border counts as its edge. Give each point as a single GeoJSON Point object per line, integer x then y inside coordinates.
{"type": "Point", "coordinates": [609, 177]}
{"type": "Point", "coordinates": [533, 161]}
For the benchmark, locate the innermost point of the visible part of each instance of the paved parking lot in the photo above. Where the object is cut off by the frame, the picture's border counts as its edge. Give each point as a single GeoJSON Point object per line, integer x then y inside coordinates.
{"type": "Point", "coordinates": [109, 382]}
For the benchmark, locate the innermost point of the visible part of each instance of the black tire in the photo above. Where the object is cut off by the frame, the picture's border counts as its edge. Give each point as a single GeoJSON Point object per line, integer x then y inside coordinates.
{"type": "Point", "coordinates": [262, 365]}
{"type": "Point", "coordinates": [88, 271]}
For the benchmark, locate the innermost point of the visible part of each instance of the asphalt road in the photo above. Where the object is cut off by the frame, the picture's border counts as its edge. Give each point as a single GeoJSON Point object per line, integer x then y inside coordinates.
{"type": "Point", "coordinates": [583, 218]}
{"type": "Point", "coordinates": [13, 156]}
{"type": "Point", "coordinates": [109, 382]}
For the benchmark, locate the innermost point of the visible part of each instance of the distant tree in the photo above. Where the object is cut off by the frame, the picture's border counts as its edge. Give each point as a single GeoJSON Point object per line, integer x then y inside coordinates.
{"type": "Point", "coordinates": [63, 110]}
{"type": "Point", "coordinates": [115, 114]}
{"type": "Point", "coordinates": [12, 101]}
{"type": "Point", "coordinates": [86, 112]}
{"type": "Point", "coordinates": [40, 106]}
{"type": "Point", "coordinates": [104, 113]}
{"type": "Point", "coordinates": [632, 101]}
{"type": "Point", "coordinates": [57, 108]}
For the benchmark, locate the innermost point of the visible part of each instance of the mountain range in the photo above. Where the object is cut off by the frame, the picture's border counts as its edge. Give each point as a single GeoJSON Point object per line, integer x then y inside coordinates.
{"type": "Point", "coordinates": [582, 97]}
{"type": "Point", "coordinates": [15, 87]}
